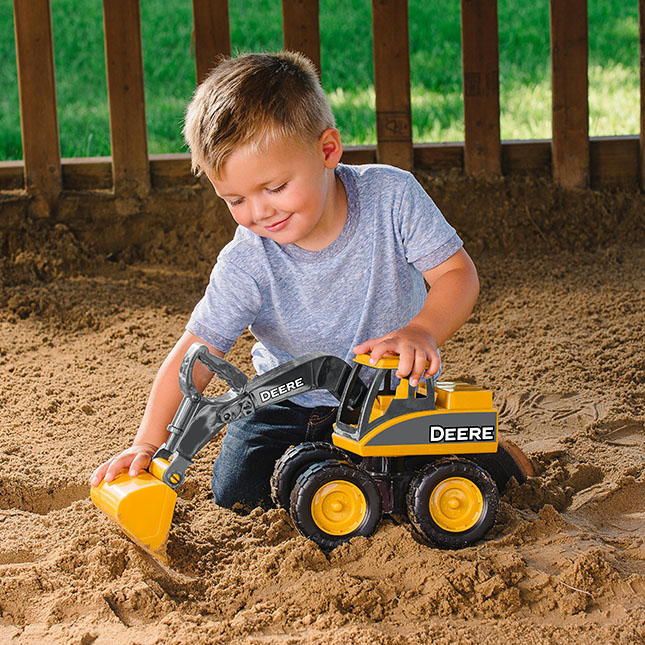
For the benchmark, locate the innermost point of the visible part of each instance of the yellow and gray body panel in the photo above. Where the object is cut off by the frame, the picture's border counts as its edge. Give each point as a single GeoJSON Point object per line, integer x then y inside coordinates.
{"type": "Point", "coordinates": [435, 432]}
{"type": "Point", "coordinates": [462, 421]}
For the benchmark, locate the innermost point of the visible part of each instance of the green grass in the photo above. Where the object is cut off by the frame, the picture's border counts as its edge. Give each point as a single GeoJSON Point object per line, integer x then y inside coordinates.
{"type": "Point", "coordinates": [347, 70]}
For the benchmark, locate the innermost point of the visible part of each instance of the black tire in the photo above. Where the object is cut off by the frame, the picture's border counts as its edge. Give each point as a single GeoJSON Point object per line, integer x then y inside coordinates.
{"type": "Point", "coordinates": [465, 484]}
{"type": "Point", "coordinates": [295, 461]}
{"type": "Point", "coordinates": [334, 501]}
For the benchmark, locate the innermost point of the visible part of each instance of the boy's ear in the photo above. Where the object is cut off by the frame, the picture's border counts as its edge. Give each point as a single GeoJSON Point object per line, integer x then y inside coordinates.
{"type": "Point", "coordinates": [332, 147]}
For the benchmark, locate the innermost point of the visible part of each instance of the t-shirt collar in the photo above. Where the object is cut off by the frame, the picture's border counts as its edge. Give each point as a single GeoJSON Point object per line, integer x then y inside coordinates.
{"type": "Point", "coordinates": [353, 212]}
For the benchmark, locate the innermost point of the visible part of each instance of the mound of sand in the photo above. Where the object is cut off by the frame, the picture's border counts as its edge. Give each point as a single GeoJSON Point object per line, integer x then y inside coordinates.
{"type": "Point", "coordinates": [557, 335]}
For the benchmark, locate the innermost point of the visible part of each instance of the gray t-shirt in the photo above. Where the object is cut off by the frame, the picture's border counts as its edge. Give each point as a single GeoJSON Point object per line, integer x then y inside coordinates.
{"type": "Point", "coordinates": [365, 284]}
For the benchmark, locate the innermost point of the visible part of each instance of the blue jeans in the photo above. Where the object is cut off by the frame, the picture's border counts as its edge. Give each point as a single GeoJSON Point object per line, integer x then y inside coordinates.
{"type": "Point", "coordinates": [242, 471]}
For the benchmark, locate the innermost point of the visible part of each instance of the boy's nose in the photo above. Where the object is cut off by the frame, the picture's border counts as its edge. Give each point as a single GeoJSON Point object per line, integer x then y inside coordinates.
{"type": "Point", "coordinates": [260, 210]}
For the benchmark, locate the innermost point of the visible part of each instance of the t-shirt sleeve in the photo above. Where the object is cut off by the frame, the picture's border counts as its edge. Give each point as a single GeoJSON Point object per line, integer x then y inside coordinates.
{"type": "Point", "coordinates": [428, 238]}
{"type": "Point", "coordinates": [229, 305]}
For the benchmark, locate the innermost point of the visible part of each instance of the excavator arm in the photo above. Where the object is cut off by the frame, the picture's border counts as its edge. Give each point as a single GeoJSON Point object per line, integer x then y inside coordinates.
{"type": "Point", "coordinates": [198, 418]}
{"type": "Point", "coordinates": [143, 505]}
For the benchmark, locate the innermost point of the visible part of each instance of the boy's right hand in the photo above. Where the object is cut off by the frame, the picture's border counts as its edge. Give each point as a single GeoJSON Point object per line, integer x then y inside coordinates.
{"type": "Point", "coordinates": [135, 459]}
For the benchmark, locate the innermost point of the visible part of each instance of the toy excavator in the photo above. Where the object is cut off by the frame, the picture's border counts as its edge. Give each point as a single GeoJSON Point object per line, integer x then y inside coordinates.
{"type": "Point", "coordinates": [432, 453]}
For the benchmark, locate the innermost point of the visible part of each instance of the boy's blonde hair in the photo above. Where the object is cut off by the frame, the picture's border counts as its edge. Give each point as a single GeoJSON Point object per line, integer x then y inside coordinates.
{"type": "Point", "coordinates": [252, 100]}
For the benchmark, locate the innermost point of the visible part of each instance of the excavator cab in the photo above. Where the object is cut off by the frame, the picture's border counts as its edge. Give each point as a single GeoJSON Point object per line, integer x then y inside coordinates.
{"type": "Point", "coordinates": [397, 420]}
{"type": "Point", "coordinates": [384, 391]}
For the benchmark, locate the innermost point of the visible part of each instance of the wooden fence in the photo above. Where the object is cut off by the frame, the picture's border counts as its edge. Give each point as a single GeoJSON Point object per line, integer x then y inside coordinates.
{"type": "Point", "coordinates": [575, 160]}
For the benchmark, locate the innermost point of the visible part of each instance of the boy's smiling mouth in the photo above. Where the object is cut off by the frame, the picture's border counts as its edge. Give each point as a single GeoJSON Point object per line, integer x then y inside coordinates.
{"type": "Point", "coordinates": [276, 226]}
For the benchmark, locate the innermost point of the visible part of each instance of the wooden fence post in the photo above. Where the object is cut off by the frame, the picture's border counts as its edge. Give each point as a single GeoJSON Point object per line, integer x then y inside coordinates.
{"type": "Point", "coordinates": [569, 61]}
{"type": "Point", "coordinates": [480, 57]}
{"type": "Point", "coordinates": [392, 82]}
{"type": "Point", "coordinates": [124, 66]}
{"type": "Point", "coordinates": [641, 21]}
{"type": "Point", "coordinates": [300, 28]}
{"type": "Point", "coordinates": [38, 113]}
{"type": "Point", "coordinates": [212, 34]}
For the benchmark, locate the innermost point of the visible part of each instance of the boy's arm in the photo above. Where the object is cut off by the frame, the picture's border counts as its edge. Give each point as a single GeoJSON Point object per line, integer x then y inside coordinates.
{"type": "Point", "coordinates": [454, 287]}
{"type": "Point", "coordinates": [163, 402]}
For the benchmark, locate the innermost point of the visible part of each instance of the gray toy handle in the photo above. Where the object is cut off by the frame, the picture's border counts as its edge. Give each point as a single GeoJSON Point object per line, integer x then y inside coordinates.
{"type": "Point", "coordinates": [236, 379]}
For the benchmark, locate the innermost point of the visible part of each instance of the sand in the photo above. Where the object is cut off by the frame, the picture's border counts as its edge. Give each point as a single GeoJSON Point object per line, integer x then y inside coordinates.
{"type": "Point", "coordinates": [557, 335]}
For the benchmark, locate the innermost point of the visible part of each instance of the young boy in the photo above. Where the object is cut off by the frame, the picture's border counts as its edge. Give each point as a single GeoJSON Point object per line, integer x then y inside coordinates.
{"type": "Point", "coordinates": [326, 257]}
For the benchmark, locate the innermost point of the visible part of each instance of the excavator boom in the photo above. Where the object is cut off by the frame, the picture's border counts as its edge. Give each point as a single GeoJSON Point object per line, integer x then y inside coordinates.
{"type": "Point", "coordinates": [143, 505]}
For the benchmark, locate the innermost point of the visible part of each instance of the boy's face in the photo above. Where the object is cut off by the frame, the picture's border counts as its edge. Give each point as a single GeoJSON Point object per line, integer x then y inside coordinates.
{"type": "Point", "coordinates": [286, 192]}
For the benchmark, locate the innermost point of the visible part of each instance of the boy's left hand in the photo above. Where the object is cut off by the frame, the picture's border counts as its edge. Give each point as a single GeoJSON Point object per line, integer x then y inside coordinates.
{"type": "Point", "coordinates": [414, 345]}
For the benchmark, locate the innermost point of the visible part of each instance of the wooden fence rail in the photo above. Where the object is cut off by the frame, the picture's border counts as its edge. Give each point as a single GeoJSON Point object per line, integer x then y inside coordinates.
{"type": "Point", "coordinates": [212, 34]}
{"type": "Point", "coordinates": [480, 55]}
{"type": "Point", "coordinates": [124, 66]}
{"type": "Point", "coordinates": [39, 118]}
{"type": "Point", "coordinates": [641, 30]}
{"type": "Point", "coordinates": [569, 62]}
{"type": "Point", "coordinates": [573, 160]}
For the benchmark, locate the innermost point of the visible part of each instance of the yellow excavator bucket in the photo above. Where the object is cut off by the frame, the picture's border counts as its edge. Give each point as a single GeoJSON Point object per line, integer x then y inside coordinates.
{"type": "Point", "coordinates": [142, 506]}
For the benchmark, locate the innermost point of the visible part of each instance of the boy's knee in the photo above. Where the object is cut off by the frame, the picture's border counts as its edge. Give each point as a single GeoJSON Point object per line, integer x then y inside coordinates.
{"type": "Point", "coordinates": [239, 504]}
{"type": "Point", "coordinates": [237, 492]}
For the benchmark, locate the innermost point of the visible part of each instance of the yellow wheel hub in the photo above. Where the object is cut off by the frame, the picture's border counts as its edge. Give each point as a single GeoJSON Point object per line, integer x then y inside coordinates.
{"type": "Point", "coordinates": [456, 504]}
{"type": "Point", "coordinates": [338, 507]}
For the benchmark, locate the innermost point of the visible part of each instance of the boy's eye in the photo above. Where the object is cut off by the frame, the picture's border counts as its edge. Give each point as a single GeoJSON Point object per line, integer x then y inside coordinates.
{"type": "Point", "coordinates": [235, 202]}
{"type": "Point", "coordinates": [279, 188]}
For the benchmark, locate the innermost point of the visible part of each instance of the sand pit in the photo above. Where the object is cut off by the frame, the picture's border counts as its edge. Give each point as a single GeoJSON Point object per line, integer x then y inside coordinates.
{"type": "Point", "coordinates": [557, 335]}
